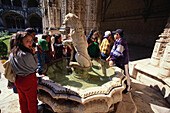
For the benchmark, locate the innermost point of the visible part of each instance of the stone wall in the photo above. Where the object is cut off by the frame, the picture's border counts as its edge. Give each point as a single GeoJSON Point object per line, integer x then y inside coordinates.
{"type": "Point", "coordinates": [84, 9]}
{"type": "Point", "coordinates": [141, 20]}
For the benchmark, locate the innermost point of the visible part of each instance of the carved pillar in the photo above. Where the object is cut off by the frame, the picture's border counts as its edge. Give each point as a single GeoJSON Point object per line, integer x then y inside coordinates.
{"type": "Point", "coordinates": [43, 15]}
{"type": "Point", "coordinates": [54, 11]}
{"type": "Point", "coordinates": [63, 28]}
{"type": "Point", "coordinates": [12, 3]}
{"type": "Point", "coordinates": [1, 23]}
{"type": "Point", "coordinates": [45, 19]}
{"type": "Point", "coordinates": [57, 18]}
{"type": "Point", "coordinates": [70, 8]}
{"type": "Point", "coordinates": [63, 9]}
{"type": "Point", "coordinates": [24, 4]}
{"type": "Point", "coordinates": [49, 15]}
{"type": "Point", "coordinates": [26, 19]}
{"type": "Point", "coordinates": [91, 15]}
{"type": "Point", "coordinates": [87, 16]}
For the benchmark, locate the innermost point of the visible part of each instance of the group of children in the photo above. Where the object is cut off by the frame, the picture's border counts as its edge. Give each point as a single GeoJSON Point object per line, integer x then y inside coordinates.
{"type": "Point", "coordinates": [29, 56]}
{"type": "Point", "coordinates": [113, 49]}
{"type": "Point", "coordinates": [48, 49]}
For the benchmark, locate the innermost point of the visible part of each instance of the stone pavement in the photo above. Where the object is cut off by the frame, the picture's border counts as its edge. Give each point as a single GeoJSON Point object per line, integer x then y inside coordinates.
{"type": "Point", "coordinates": [8, 100]}
{"type": "Point", "coordinates": [147, 99]}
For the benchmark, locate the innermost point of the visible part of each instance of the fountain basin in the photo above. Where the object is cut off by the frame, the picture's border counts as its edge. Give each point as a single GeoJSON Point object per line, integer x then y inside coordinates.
{"type": "Point", "coordinates": [94, 93]}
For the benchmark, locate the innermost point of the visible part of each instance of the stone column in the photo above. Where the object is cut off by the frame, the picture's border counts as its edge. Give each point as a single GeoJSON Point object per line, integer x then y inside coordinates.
{"type": "Point", "coordinates": [49, 14]}
{"type": "Point", "coordinates": [1, 23]}
{"type": "Point", "coordinates": [12, 3]}
{"type": "Point", "coordinates": [63, 28]}
{"type": "Point", "coordinates": [91, 15]}
{"type": "Point", "coordinates": [87, 16]}
{"type": "Point", "coordinates": [43, 14]}
{"type": "Point", "coordinates": [26, 19]}
{"type": "Point", "coordinates": [24, 4]}
{"type": "Point", "coordinates": [45, 18]}
{"type": "Point", "coordinates": [63, 10]}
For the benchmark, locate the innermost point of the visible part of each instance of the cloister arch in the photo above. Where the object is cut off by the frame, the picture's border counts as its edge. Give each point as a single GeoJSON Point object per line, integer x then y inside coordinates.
{"type": "Point", "coordinates": [34, 20]}
{"type": "Point", "coordinates": [32, 3]}
{"type": "Point", "coordinates": [17, 3]}
{"type": "Point", "coordinates": [6, 2]}
{"type": "Point", "coordinates": [13, 20]}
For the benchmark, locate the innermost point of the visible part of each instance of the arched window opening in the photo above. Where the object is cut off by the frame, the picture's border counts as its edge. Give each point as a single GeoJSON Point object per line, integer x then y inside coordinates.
{"type": "Point", "coordinates": [32, 3]}
{"type": "Point", "coordinates": [20, 22]}
{"type": "Point", "coordinates": [17, 3]}
{"type": "Point", "coordinates": [35, 22]}
{"type": "Point", "coordinates": [8, 20]}
{"type": "Point", "coordinates": [6, 2]}
{"type": "Point", "coordinates": [14, 21]}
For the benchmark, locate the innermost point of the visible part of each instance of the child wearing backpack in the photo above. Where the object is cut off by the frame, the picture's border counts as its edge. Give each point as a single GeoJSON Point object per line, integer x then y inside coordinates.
{"type": "Point", "coordinates": [24, 66]}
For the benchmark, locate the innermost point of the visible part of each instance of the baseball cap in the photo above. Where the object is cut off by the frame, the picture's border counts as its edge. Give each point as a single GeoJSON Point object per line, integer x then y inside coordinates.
{"type": "Point", "coordinates": [107, 33]}
{"type": "Point", "coordinates": [44, 44]}
{"type": "Point", "coordinates": [119, 31]}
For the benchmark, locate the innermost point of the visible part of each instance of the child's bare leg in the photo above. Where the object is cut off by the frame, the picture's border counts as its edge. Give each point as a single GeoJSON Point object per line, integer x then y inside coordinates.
{"type": "Point", "coordinates": [128, 77]}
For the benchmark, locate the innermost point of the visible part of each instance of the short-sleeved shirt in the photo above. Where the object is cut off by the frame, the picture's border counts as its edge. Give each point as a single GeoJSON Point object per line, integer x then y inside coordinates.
{"type": "Point", "coordinates": [93, 50]}
{"type": "Point", "coordinates": [106, 46]}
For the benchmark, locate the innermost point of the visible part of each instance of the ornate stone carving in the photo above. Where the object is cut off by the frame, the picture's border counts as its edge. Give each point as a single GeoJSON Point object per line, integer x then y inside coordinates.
{"type": "Point", "coordinates": [63, 10]}
{"type": "Point", "coordinates": [51, 16]}
{"type": "Point", "coordinates": [76, 100]}
{"type": "Point", "coordinates": [84, 9]}
{"type": "Point", "coordinates": [165, 63]}
{"type": "Point", "coordinates": [160, 46]}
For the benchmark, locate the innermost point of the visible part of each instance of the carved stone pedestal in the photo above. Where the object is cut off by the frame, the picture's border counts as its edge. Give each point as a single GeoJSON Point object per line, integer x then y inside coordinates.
{"type": "Point", "coordinates": [156, 71]}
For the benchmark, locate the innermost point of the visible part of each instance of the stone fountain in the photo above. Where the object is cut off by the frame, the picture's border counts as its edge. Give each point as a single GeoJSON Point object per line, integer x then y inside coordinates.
{"type": "Point", "coordinates": [79, 86]}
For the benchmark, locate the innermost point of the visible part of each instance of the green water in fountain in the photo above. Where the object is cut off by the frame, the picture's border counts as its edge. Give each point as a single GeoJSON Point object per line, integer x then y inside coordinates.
{"type": "Point", "coordinates": [59, 73]}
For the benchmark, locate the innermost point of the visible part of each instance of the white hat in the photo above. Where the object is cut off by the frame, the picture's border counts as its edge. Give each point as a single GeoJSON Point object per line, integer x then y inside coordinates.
{"type": "Point", "coordinates": [107, 33]}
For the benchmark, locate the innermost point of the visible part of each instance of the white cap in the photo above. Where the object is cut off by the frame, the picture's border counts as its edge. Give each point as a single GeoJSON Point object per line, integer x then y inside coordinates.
{"type": "Point", "coordinates": [107, 33]}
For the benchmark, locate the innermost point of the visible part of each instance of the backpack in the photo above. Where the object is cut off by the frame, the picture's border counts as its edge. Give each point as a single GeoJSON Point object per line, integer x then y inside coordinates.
{"type": "Point", "coordinates": [8, 72]}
